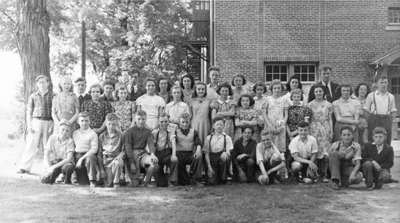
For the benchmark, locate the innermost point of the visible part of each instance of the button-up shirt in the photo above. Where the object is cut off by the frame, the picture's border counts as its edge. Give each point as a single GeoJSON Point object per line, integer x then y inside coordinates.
{"type": "Point", "coordinates": [264, 153]}
{"type": "Point", "coordinates": [347, 108]}
{"type": "Point", "coordinates": [57, 149]}
{"type": "Point", "coordinates": [380, 103]}
{"type": "Point", "coordinates": [110, 145]}
{"type": "Point", "coordinates": [39, 106]}
{"type": "Point", "coordinates": [175, 110]}
{"type": "Point", "coordinates": [354, 148]}
{"type": "Point", "coordinates": [305, 149]}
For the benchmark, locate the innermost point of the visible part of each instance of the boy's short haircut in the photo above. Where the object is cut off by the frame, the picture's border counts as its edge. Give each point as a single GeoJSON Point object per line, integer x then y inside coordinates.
{"type": "Point", "coordinates": [379, 130]}
{"type": "Point", "coordinates": [112, 117]}
{"type": "Point", "coordinates": [381, 77]}
{"type": "Point", "coordinates": [108, 82]}
{"type": "Point", "coordinates": [64, 122]}
{"type": "Point", "coordinates": [80, 79]}
{"type": "Point", "coordinates": [217, 119]}
{"type": "Point", "coordinates": [325, 67]}
{"type": "Point", "coordinates": [163, 115]}
{"type": "Point", "coordinates": [346, 127]}
{"type": "Point", "coordinates": [248, 127]}
{"type": "Point", "coordinates": [41, 77]}
{"type": "Point", "coordinates": [265, 132]}
{"type": "Point", "coordinates": [141, 113]}
{"type": "Point", "coordinates": [83, 115]}
{"type": "Point", "coordinates": [96, 86]}
{"type": "Point", "coordinates": [150, 79]}
{"type": "Point", "coordinates": [185, 116]}
{"type": "Point", "coordinates": [303, 125]}
{"type": "Point", "coordinates": [213, 68]}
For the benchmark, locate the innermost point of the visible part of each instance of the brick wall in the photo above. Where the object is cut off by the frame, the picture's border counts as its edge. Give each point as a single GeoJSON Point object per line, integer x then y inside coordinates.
{"type": "Point", "coordinates": [345, 34]}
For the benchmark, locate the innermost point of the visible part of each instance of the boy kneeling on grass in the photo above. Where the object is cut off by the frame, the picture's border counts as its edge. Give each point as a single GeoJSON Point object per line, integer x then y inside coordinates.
{"type": "Point", "coordinates": [244, 156]}
{"type": "Point", "coordinates": [217, 149]}
{"type": "Point", "coordinates": [86, 147]}
{"type": "Point", "coordinates": [269, 159]}
{"type": "Point", "coordinates": [139, 148]}
{"type": "Point", "coordinates": [304, 149]}
{"type": "Point", "coordinates": [187, 144]}
{"type": "Point", "coordinates": [377, 159]}
{"type": "Point", "coordinates": [59, 155]}
{"type": "Point", "coordinates": [111, 155]}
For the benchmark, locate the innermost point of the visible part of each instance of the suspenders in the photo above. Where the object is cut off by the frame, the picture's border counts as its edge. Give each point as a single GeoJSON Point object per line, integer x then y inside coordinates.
{"type": "Point", "coordinates": [166, 140]}
{"type": "Point", "coordinates": [209, 142]}
{"type": "Point", "coordinates": [388, 109]}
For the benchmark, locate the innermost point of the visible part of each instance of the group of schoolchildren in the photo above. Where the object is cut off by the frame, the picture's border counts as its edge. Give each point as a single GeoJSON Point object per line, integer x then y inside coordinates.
{"type": "Point", "coordinates": [192, 133]}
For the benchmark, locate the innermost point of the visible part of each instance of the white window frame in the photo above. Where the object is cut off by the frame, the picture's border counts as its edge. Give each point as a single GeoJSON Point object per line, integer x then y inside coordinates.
{"type": "Point", "coordinates": [397, 10]}
{"type": "Point", "coordinates": [276, 64]}
{"type": "Point", "coordinates": [290, 70]}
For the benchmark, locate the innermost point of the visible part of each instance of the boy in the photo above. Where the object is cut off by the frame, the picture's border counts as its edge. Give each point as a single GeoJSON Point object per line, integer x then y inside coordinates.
{"type": "Point", "coordinates": [108, 87]}
{"type": "Point", "coordinates": [345, 160]}
{"type": "Point", "coordinates": [243, 156]}
{"type": "Point", "coordinates": [139, 148]}
{"type": "Point", "coordinates": [59, 155]}
{"type": "Point", "coordinates": [86, 147]}
{"type": "Point", "coordinates": [377, 159]}
{"type": "Point", "coordinates": [80, 84]}
{"type": "Point", "coordinates": [380, 104]}
{"type": "Point", "coordinates": [269, 159]}
{"type": "Point", "coordinates": [39, 122]}
{"type": "Point", "coordinates": [304, 149]}
{"type": "Point", "coordinates": [217, 149]}
{"type": "Point", "coordinates": [166, 155]}
{"type": "Point", "coordinates": [187, 144]}
{"type": "Point", "coordinates": [213, 73]}
{"type": "Point", "coordinates": [110, 155]}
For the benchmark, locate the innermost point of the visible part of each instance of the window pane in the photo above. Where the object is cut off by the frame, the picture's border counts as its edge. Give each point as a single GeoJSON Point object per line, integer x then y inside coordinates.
{"type": "Point", "coordinates": [297, 69]}
{"type": "Point", "coordinates": [276, 76]}
{"type": "Point", "coordinates": [312, 77]}
{"type": "Point", "coordinates": [303, 77]}
{"type": "Point", "coordinates": [269, 77]}
{"type": "Point", "coordinates": [304, 69]}
{"type": "Point", "coordinates": [268, 69]}
{"type": "Point", "coordinates": [283, 69]}
{"type": "Point", "coordinates": [311, 69]}
{"type": "Point", "coordinates": [276, 69]}
{"type": "Point", "coordinates": [284, 77]}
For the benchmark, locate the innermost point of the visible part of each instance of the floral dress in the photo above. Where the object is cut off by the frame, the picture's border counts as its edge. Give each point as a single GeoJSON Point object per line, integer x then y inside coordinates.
{"type": "Point", "coordinates": [200, 108]}
{"type": "Point", "coordinates": [97, 112]}
{"type": "Point", "coordinates": [276, 108]}
{"type": "Point", "coordinates": [125, 111]}
{"type": "Point", "coordinates": [187, 96]}
{"type": "Point", "coordinates": [320, 126]}
{"type": "Point", "coordinates": [244, 115]}
{"type": "Point", "coordinates": [225, 106]}
{"type": "Point", "coordinates": [297, 114]}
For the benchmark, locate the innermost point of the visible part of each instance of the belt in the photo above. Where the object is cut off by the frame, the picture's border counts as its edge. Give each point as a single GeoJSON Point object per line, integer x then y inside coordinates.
{"type": "Point", "coordinates": [44, 118]}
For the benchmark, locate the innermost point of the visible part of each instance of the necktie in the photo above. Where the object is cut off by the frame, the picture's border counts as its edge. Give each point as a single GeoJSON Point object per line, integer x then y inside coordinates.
{"type": "Point", "coordinates": [80, 99]}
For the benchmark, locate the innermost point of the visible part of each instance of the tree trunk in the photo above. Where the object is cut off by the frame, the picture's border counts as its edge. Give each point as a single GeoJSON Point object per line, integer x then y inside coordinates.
{"type": "Point", "coordinates": [33, 42]}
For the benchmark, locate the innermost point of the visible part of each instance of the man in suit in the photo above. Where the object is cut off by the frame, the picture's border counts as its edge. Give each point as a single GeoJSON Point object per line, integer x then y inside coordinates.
{"type": "Point", "coordinates": [331, 92]}
{"type": "Point", "coordinates": [80, 85]}
{"type": "Point", "coordinates": [136, 90]}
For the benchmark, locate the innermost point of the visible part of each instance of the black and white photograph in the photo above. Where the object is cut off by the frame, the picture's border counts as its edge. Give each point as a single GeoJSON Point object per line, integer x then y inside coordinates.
{"type": "Point", "coordinates": [200, 111]}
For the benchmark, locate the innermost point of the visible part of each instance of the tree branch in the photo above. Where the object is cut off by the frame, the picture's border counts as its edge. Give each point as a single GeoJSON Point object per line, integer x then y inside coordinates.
{"type": "Point", "coordinates": [9, 17]}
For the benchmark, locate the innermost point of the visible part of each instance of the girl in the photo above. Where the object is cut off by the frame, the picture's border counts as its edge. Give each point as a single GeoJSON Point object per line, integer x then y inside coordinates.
{"type": "Point", "coordinates": [238, 87]}
{"type": "Point", "coordinates": [297, 113]}
{"type": "Point", "coordinates": [187, 84]}
{"type": "Point", "coordinates": [245, 115]}
{"type": "Point", "coordinates": [259, 105]}
{"type": "Point", "coordinates": [224, 108]}
{"type": "Point", "coordinates": [361, 94]}
{"type": "Point", "coordinates": [124, 109]}
{"type": "Point", "coordinates": [347, 112]}
{"type": "Point", "coordinates": [164, 89]}
{"type": "Point", "coordinates": [276, 115]}
{"type": "Point", "coordinates": [293, 84]}
{"type": "Point", "coordinates": [200, 109]}
{"type": "Point", "coordinates": [321, 127]}
{"type": "Point", "coordinates": [176, 107]}
{"type": "Point", "coordinates": [65, 105]}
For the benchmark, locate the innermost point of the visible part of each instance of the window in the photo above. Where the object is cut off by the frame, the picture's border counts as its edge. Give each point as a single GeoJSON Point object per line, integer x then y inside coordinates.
{"type": "Point", "coordinates": [283, 70]}
{"type": "Point", "coordinates": [276, 71]}
{"type": "Point", "coordinates": [305, 71]}
{"type": "Point", "coordinates": [394, 16]}
{"type": "Point", "coordinates": [395, 83]}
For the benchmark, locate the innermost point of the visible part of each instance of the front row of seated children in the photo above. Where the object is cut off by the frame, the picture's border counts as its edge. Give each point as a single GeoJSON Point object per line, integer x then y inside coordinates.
{"type": "Point", "coordinates": [176, 156]}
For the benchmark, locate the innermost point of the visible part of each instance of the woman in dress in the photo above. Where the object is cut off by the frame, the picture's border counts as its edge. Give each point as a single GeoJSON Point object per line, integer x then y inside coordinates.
{"type": "Point", "coordinates": [200, 109]}
{"type": "Point", "coordinates": [347, 112]}
{"type": "Point", "coordinates": [164, 89]}
{"type": "Point", "coordinates": [238, 87]}
{"type": "Point", "coordinates": [361, 94]}
{"type": "Point", "coordinates": [276, 113]}
{"type": "Point", "coordinates": [297, 113]}
{"type": "Point", "coordinates": [260, 101]}
{"type": "Point", "coordinates": [176, 107]}
{"type": "Point", "coordinates": [224, 108]}
{"type": "Point", "coordinates": [65, 105]}
{"type": "Point", "coordinates": [245, 115]}
{"type": "Point", "coordinates": [321, 127]}
{"type": "Point", "coordinates": [293, 84]}
{"type": "Point", "coordinates": [187, 84]}
{"type": "Point", "coordinates": [124, 109]}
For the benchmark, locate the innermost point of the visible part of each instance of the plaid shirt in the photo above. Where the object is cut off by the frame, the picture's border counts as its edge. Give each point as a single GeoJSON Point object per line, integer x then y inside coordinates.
{"type": "Point", "coordinates": [39, 106]}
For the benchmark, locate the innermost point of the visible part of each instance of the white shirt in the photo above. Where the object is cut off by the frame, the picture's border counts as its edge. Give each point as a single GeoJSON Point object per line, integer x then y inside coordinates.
{"type": "Point", "coordinates": [57, 149]}
{"type": "Point", "coordinates": [383, 104]}
{"type": "Point", "coordinates": [151, 105]}
{"type": "Point", "coordinates": [265, 154]}
{"type": "Point", "coordinates": [217, 143]}
{"type": "Point", "coordinates": [175, 110]}
{"type": "Point", "coordinates": [290, 102]}
{"type": "Point", "coordinates": [85, 140]}
{"type": "Point", "coordinates": [306, 148]}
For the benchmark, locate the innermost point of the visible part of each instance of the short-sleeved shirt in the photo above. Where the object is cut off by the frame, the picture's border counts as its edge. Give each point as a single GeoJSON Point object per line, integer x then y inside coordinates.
{"type": "Point", "coordinates": [264, 154]}
{"type": "Point", "coordinates": [347, 108]}
{"type": "Point", "coordinates": [97, 112]}
{"type": "Point", "coordinates": [39, 106]}
{"type": "Point", "coordinates": [175, 110]}
{"type": "Point", "coordinates": [217, 143]}
{"type": "Point", "coordinates": [110, 145]}
{"type": "Point", "coordinates": [59, 149]}
{"type": "Point", "coordinates": [150, 104]}
{"type": "Point", "coordinates": [354, 148]}
{"type": "Point", "coordinates": [85, 140]}
{"type": "Point", "coordinates": [305, 149]}
{"type": "Point", "coordinates": [381, 104]}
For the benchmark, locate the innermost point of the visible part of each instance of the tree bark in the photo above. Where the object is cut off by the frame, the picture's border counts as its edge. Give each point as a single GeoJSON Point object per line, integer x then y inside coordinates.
{"type": "Point", "coordinates": [33, 41]}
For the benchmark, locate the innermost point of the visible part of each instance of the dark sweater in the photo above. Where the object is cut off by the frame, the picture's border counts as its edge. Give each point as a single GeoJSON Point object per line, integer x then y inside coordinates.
{"type": "Point", "coordinates": [384, 159]}
{"type": "Point", "coordinates": [137, 138]}
{"type": "Point", "coordinates": [249, 149]}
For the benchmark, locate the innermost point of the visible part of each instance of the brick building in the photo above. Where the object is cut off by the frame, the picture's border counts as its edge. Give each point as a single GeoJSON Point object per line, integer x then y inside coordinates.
{"type": "Point", "coordinates": [274, 39]}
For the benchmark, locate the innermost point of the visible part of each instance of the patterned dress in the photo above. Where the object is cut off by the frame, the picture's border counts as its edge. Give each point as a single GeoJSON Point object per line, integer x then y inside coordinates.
{"type": "Point", "coordinates": [297, 114]}
{"type": "Point", "coordinates": [259, 105]}
{"type": "Point", "coordinates": [242, 114]}
{"type": "Point", "coordinates": [200, 117]}
{"type": "Point", "coordinates": [125, 112]}
{"type": "Point", "coordinates": [187, 96]}
{"type": "Point", "coordinates": [276, 108]}
{"type": "Point", "coordinates": [65, 106]}
{"type": "Point", "coordinates": [320, 126]}
{"type": "Point", "coordinates": [225, 106]}
{"type": "Point", "coordinates": [97, 112]}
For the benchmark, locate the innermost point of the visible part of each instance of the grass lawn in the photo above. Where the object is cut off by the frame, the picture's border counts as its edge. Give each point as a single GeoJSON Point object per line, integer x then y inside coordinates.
{"type": "Point", "coordinates": [24, 199]}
